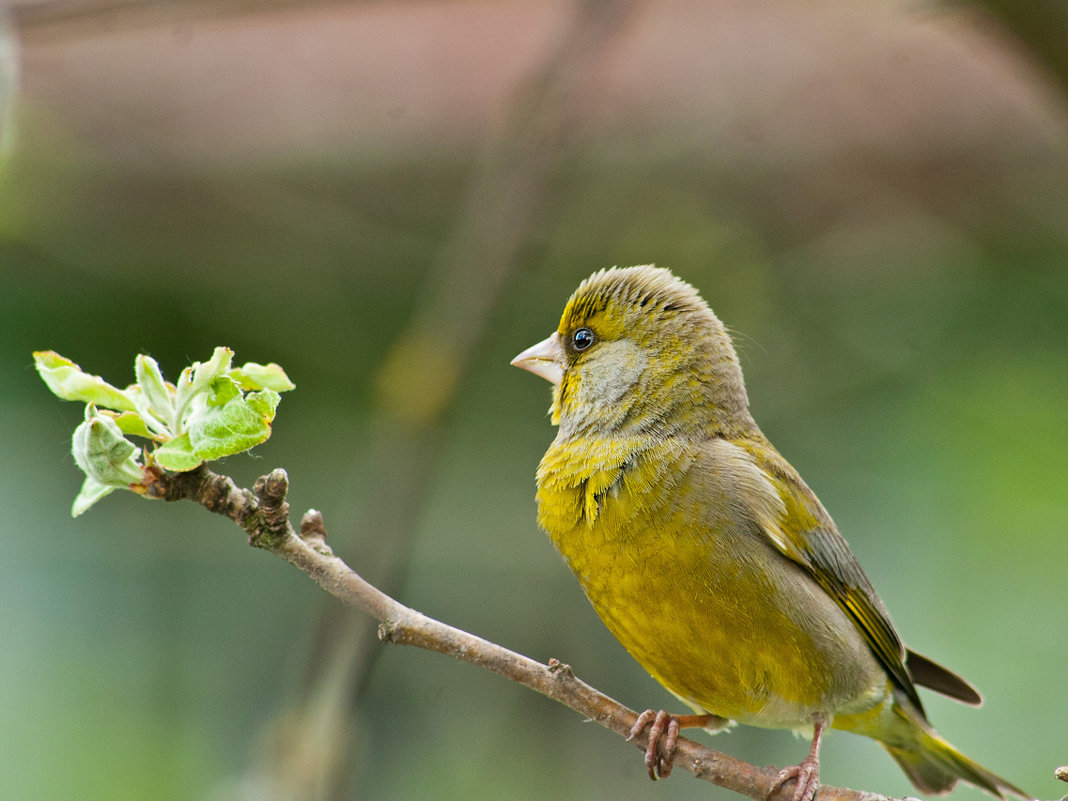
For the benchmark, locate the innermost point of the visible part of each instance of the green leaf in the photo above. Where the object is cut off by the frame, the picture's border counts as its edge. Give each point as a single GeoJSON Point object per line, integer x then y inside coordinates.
{"type": "Point", "coordinates": [103, 453]}
{"type": "Point", "coordinates": [222, 390]}
{"type": "Point", "coordinates": [159, 430]}
{"type": "Point", "coordinates": [218, 365]}
{"type": "Point", "coordinates": [176, 455]}
{"type": "Point", "coordinates": [69, 382]}
{"type": "Point", "coordinates": [130, 423]}
{"type": "Point", "coordinates": [264, 403]}
{"type": "Point", "coordinates": [226, 422]}
{"type": "Point", "coordinates": [158, 394]}
{"type": "Point", "coordinates": [91, 492]}
{"type": "Point", "coordinates": [262, 376]}
{"type": "Point", "coordinates": [197, 379]}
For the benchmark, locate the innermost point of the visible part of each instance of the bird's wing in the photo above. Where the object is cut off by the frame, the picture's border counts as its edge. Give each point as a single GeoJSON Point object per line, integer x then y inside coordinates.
{"type": "Point", "coordinates": [805, 533]}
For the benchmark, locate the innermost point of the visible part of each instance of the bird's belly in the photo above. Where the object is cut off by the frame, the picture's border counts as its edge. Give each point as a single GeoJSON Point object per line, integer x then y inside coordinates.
{"type": "Point", "coordinates": [727, 625]}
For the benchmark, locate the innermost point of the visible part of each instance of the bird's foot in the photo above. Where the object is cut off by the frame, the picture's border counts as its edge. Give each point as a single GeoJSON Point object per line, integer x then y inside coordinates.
{"type": "Point", "coordinates": [663, 738]}
{"type": "Point", "coordinates": [807, 773]}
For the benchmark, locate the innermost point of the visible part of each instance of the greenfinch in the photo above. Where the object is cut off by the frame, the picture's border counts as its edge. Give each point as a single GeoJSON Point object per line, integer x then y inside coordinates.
{"type": "Point", "coordinates": [703, 550]}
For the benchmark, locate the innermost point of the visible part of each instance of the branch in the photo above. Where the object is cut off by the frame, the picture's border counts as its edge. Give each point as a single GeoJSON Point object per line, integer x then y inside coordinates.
{"type": "Point", "coordinates": [263, 514]}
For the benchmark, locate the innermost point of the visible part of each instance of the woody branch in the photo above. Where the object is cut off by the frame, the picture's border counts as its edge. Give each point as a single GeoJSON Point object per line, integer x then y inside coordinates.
{"type": "Point", "coordinates": [263, 514]}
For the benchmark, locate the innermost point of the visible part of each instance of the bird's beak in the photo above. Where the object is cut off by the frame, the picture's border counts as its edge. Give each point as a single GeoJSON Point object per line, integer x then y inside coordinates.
{"type": "Point", "coordinates": [545, 359]}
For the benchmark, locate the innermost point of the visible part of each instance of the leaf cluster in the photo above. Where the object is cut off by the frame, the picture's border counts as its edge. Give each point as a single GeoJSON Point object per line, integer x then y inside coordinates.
{"type": "Point", "coordinates": [214, 410]}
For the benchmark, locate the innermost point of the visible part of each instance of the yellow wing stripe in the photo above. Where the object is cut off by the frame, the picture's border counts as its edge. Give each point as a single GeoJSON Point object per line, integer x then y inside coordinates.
{"type": "Point", "coordinates": [881, 638]}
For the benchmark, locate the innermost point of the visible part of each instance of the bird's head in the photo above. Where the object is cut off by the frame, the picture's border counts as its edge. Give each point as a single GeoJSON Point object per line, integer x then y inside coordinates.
{"type": "Point", "coordinates": [638, 351]}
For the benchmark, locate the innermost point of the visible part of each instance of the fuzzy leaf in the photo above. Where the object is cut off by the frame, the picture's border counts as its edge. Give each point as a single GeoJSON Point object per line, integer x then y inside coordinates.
{"type": "Point", "coordinates": [195, 380]}
{"type": "Point", "coordinates": [227, 422]}
{"type": "Point", "coordinates": [69, 382]}
{"type": "Point", "coordinates": [103, 453]}
{"type": "Point", "coordinates": [91, 492]}
{"type": "Point", "coordinates": [159, 395]}
{"type": "Point", "coordinates": [176, 455]}
{"type": "Point", "coordinates": [262, 376]}
{"type": "Point", "coordinates": [130, 423]}
{"type": "Point", "coordinates": [264, 403]}
{"type": "Point", "coordinates": [218, 365]}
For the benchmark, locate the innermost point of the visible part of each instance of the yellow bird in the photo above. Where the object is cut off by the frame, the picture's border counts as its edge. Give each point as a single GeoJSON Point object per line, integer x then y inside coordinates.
{"type": "Point", "coordinates": [705, 553]}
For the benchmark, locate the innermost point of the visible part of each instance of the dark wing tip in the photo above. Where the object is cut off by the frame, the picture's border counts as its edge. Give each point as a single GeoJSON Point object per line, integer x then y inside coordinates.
{"type": "Point", "coordinates": [933, 676]}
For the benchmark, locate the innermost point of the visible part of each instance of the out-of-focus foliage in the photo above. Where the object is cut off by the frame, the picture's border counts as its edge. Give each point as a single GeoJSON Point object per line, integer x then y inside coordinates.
{"type": "Point", "coordinates": [872, 200]}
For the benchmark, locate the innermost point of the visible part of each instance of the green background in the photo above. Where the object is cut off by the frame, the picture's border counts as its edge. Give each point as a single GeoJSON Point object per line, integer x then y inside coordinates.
{"type": "Point", "coordinates": [873, 200]}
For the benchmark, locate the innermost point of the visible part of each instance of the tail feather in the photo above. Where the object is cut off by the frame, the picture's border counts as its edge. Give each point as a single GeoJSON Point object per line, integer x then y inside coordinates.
{"type": "Point", "coordinates": [934, 766]}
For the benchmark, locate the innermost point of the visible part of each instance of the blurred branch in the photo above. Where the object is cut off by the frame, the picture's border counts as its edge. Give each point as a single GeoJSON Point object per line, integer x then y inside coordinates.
{"type": "Point", "coordinates": [263, 514]}
{"type": "Point", "coordinates": [1041, 26]}
{"type": "Point", "coordinates": [9, 76]}
{"type": "Point", "coordinates": [420, 377]}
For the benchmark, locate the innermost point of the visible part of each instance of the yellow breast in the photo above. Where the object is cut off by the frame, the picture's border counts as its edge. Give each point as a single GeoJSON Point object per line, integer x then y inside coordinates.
{"type": "Point", "coordinates": [691, 588]}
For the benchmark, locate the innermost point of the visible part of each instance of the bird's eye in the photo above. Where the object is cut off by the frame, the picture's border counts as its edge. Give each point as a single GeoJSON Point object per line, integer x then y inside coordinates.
{"type": "Point", "coordinates": [582, 339]}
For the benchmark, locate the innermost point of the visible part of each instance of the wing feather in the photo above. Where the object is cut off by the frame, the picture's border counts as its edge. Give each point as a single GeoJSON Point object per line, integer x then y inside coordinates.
{"type": "Point", "coordinates": [806, 534]}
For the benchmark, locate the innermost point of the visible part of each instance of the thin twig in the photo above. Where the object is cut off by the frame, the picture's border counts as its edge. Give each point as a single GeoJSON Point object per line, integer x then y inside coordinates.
{"type": "Point", "coordinates": [264, 516]}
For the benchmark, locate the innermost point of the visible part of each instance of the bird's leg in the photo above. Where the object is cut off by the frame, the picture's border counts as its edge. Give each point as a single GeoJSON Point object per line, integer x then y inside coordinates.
{"type": "Point", "coordinates": [807, 772]}
{"type": "Point", "coordinates": [659, 759]}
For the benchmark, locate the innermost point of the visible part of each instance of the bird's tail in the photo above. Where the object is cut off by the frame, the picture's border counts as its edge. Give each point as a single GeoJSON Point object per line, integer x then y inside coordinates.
{"type": "Point", "coordinates": [934, 766]}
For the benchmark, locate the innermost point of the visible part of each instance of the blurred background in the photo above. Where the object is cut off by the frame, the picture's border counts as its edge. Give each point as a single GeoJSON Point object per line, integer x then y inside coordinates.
{"type": "Point", "coordinates": [392, 199]}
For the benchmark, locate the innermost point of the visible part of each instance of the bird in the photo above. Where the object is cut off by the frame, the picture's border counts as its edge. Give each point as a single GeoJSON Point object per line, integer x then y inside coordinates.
{"type": "Point", "coordinates": [705, 553]}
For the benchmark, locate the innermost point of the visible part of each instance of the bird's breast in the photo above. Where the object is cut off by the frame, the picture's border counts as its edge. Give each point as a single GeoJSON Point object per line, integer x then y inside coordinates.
{"type": "Point", "coordinates": [688, 585]}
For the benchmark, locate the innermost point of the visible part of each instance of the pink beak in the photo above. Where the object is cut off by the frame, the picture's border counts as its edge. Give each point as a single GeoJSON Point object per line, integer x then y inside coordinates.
{"type": "Point", "coordinates": [545, 359]}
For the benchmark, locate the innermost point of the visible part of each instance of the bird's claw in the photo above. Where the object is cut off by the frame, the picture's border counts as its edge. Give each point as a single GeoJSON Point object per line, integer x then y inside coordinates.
{"type": "Point", "coordinates": [663, 738]}
{"type": "Point", "coordinates": [807, 775]}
